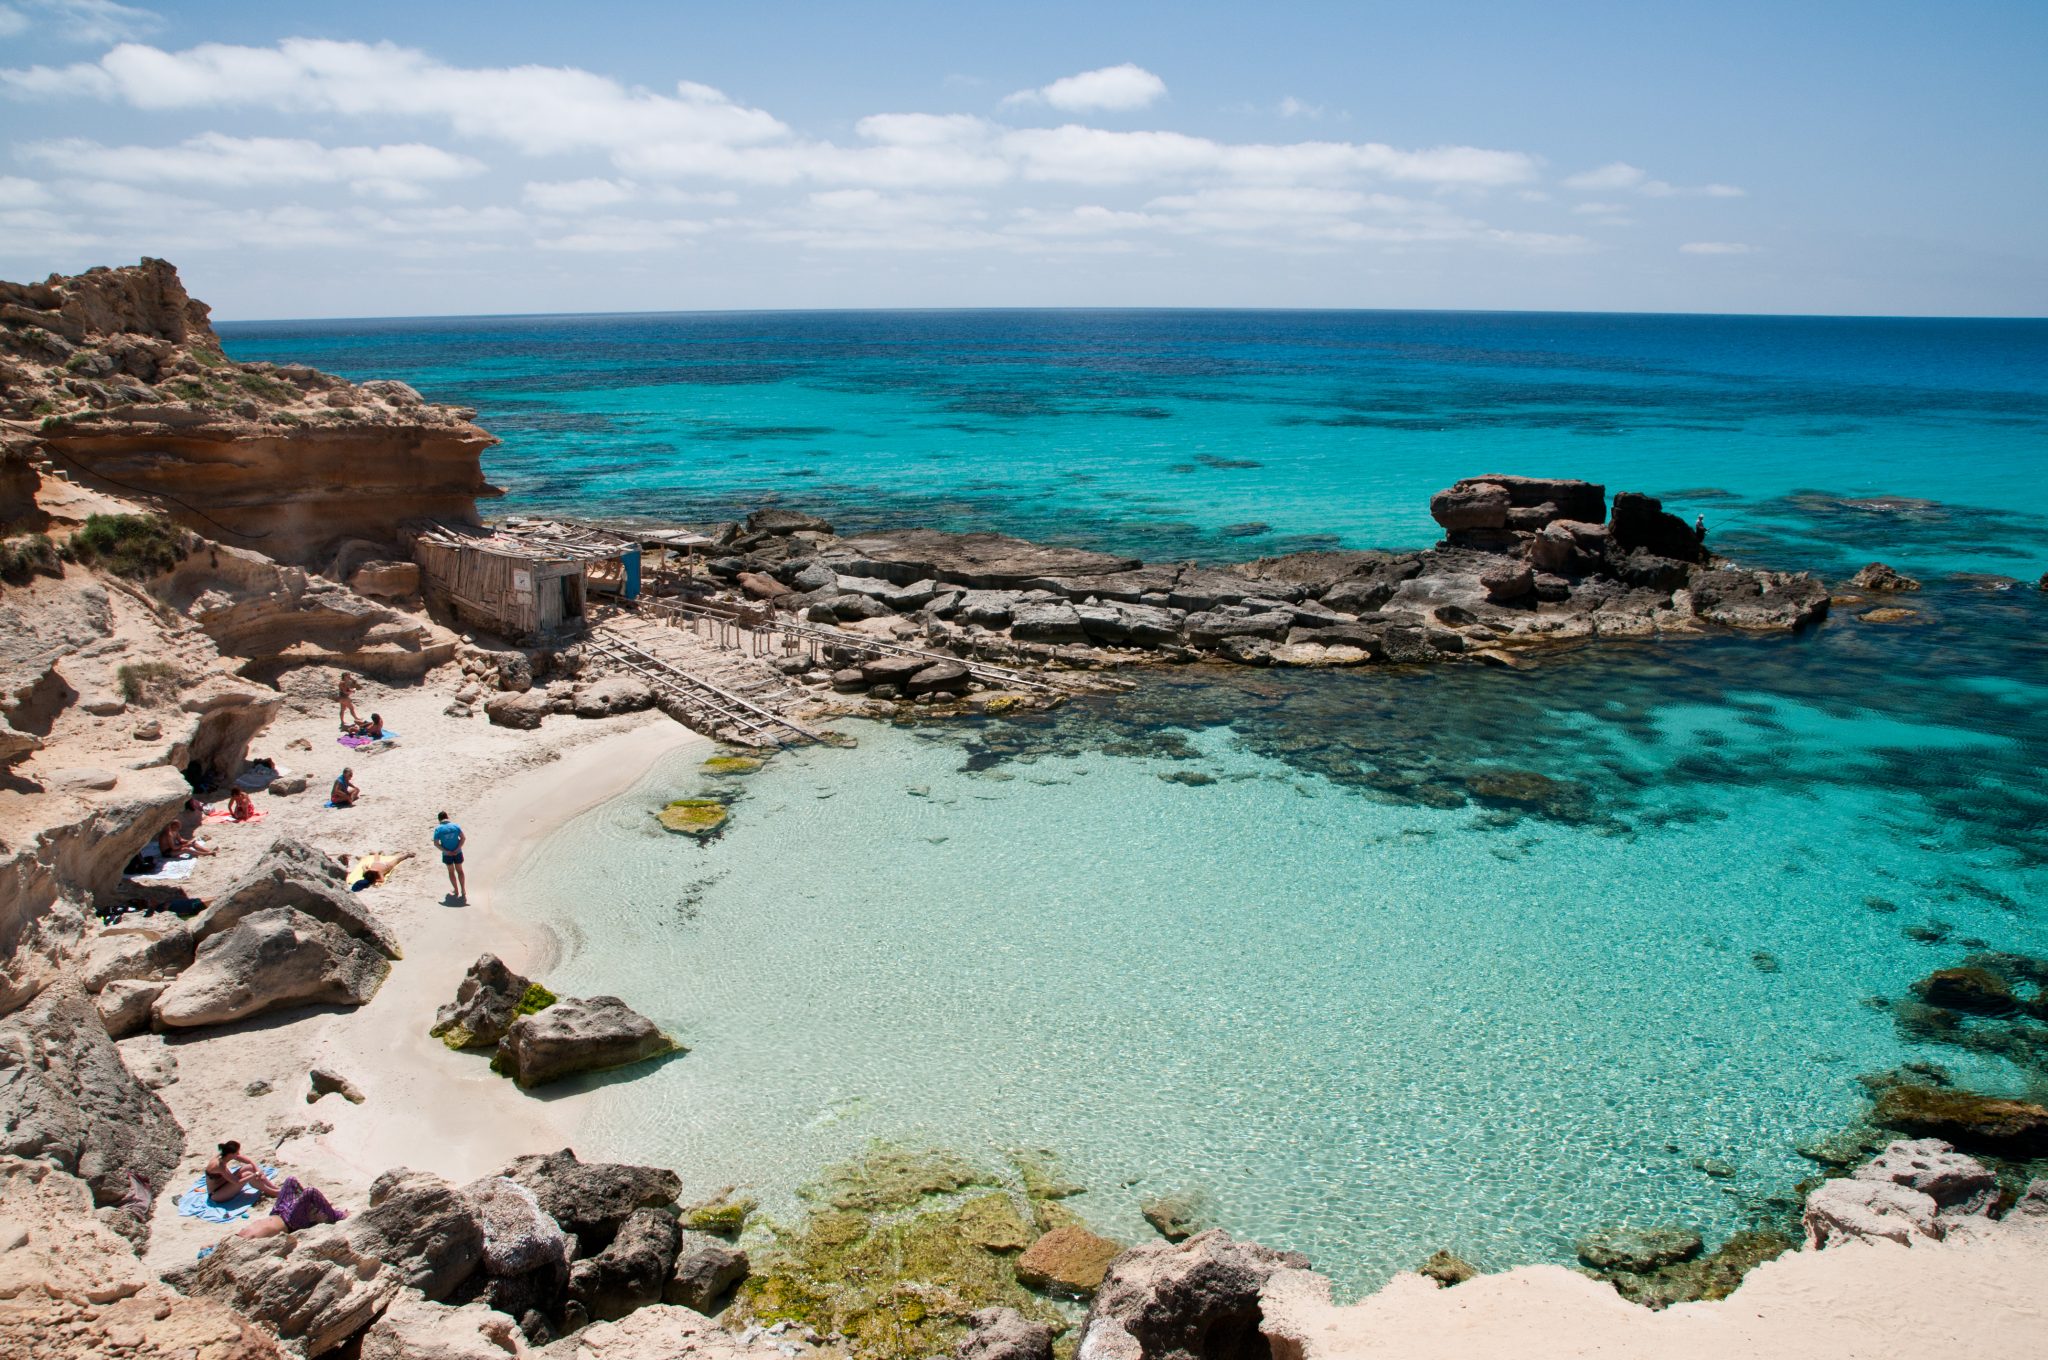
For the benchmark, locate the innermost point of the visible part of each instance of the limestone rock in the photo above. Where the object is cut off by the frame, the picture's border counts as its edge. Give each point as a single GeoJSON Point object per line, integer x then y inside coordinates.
{"type": "Point", "coordinates": [1936, 1170]}
{"type": "Point", "coordinates": [386, 580]}
{"type": "Point", "coordinates": [151, 949]}
{"type": "Point", "coordinates": [125, 1007]}
{"type": "Point", "coordinates": [66, 1098]}
{"type": "Point", "coordinates": [723, 1215]}
{"type": "Point", "coordinates": [2007, 1128]}
{"type": "Point", "coordinates": [938, 677]}
{"type": "Point", "coordinates": [578, 1034]}
{"type": "Point", "coordinates": [154, 1324]}
{"type": "Point", "coordinates": [526, 1254]}
{"type": "Point", "coordinates": [891, 670]}
{"type": "Point", "coordinates": [633, 1270]}
{"type": "Point", "coordinates": [1762, 600]}
{"type": "Point", "coordinates": [656, 1332]}
{"type": "Point", "coordinates": [1877, 576]}
{"type": "Point", "coordinates": [487, 1001]}
{"type": "Point", "coordinates": [271, 959]}
{"type": "Point", "coordinates": [1213, 628]}
{"type": "Point", "coordinates": [1860, 1210]}
{"type": "Point", "coordinates": [523, 710]}
{"type": "Point", "coordinates": [1447, 1268]}
{"type": "Point", "coordinates": [307, 881]}
{"type": "Point", "coordinates": [1189, 1300]}
{"type": "Point", "coordinates": [148, 1056]}
{"type": "Point", "coordinates": [415, 1328]}
{"type": "Point", "coordinates": [422, 1228]}
{"type": "Point", "coordinates": [706, 1270]}
{"type": "Point", "coordinates": [314, 1289]}
{"type": "Point", "coordinates": [1175, 1217]}
{"type": "Point", "coordinates": [1069, 1260]}
{"type": "Point", "coordinates": [1054, 622]}
{"type": "Point", "coordinates": [50, 1242]}
{"type": "Point", "coordinates": [591, 1199]}
{"type": "Point", "coordinates": [1004, 1334]}
{"type": "Point", "coordinates": [325, 1082]}
{"type": "Point", "coordinates": [612, 695]}
{"type": "Point", "coordinates": [1471, 505]}
{"type": "Point", "coordinates": [1641, 521]}
{"type": "Point", "coordinates": [1136, 625]}
{"type": "Point", "coordinates": [1508, 582]}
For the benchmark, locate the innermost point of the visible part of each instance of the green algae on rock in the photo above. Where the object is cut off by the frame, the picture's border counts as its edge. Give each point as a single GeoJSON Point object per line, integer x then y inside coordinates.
{"type": "Point", "coordinates": [733, 765]}
{"type": "Point", "coordinates": [903, 1246]}
{"type": "Point", "coordinates": [699, 817]}
{"type": "Point", "coordinates": [1971, 1121]}
{"type": "Point", "coordinates": [723, 1214]}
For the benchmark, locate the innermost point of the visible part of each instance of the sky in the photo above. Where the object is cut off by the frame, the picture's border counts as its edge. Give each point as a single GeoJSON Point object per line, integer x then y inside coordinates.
{"type": "Point", "coordinates": [378, 159]}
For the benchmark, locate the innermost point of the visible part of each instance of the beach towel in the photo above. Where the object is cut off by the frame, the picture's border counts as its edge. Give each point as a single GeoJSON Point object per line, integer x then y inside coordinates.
{"type": "Point", "coordinates": [362, 743]}
{"type": "Point", "coordinates": [223, 815]}
{"type": "Point", "coordinates": [194, 1203]}
{"type": "Point", "coordinates": [166, 871]}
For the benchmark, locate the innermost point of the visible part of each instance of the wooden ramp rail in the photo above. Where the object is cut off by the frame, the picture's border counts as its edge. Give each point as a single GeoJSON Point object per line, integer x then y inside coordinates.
{"type": "Point", "coordinates": [707, 702]}
{"type": "Point", "coordinates": [765, 630]}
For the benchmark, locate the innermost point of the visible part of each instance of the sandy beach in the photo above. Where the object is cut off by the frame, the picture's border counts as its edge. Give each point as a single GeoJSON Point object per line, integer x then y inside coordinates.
{"type": "Point", "coordinates": [424, 1106]}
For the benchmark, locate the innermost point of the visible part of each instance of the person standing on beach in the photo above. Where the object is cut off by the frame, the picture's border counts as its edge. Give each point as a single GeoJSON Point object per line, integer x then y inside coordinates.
{"type": "Point", "coordinates": [448, 836]}
{"type": "Point", "coordinates": [349, 716]}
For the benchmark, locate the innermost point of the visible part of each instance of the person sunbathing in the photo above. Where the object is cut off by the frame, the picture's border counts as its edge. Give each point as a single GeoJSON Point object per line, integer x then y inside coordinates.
{"type": "Point", "coordinates": [373, 728]}
{"type": "Point", "coordinates": [298, 1206]}
{"type": "Point", "coordinates": [240, 807]}
{"type": "Point", "coordinates": [229, 1174]}
{"type": "Point", "coordinates": [344, 793]}
{"type": "Point", "coordinates": [172, 843]}
{"type": "Point", "coordinates": [376, 869]}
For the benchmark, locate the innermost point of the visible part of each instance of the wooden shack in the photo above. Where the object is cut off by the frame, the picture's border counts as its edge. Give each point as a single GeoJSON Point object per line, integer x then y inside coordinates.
{"type": "Point", "coordinates": [524, 580]}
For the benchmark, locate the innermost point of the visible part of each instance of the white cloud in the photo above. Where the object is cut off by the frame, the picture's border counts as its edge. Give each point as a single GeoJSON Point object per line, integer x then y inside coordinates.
{"type": "Point", "coordinates": [1614, 175]}
{"type": "Point", "coordinates": [1115, 89]}
{"type": "Point", "coordinates": [1657, 188]}
{"type": "Point", "coordinates": [1087, 155]}
{"type": "Point", "coordinates": [12, 22]}
{"type": "Point", "coordinates": [22, 193]}
{"type": "Point", "coordinates": [217, 160]}
{"type": "Point", "coordinates": [578, 195]}
{"type": "Point", "coordinates": [1290, 107]}
{"type": "Point", "coordinates": [79, 21]}
{"type": "Point", "coordinates": [1598, 209]}
{"type": "Point", "coordinates": [1716, 248]}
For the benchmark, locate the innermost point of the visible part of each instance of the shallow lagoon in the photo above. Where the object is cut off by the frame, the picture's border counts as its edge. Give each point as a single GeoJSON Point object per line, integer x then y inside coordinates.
{"type": "Point", "coordinates": [1367, 1016]}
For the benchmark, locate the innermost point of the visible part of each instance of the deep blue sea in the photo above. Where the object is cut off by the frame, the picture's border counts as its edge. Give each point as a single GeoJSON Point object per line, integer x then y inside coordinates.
{"type": "Point", "coordinates": [1283, 938]}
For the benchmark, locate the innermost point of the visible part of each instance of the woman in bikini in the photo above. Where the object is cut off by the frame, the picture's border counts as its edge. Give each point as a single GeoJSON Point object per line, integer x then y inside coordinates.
{"type": "Point", "coordinates": [349, 716]}
{"type": "Point", "coordinates": [171, 843]}
{"type": "Point", "coordinates": [240, 808]}
{"type": "Point", "coordinates": [229, 1174]}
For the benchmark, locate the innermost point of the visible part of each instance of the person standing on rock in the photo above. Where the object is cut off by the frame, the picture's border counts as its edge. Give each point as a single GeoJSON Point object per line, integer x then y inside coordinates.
{"type": "Point", "coordinates": [349, 716]}
{"type": "Point", "coordinates": [1699, 528]}
{"type": "Point", "coordinates": [449, 838]}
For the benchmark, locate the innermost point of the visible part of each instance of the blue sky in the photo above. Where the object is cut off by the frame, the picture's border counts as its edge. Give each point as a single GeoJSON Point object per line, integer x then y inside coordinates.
{"type": "Point", "coordinates": [379, 159]}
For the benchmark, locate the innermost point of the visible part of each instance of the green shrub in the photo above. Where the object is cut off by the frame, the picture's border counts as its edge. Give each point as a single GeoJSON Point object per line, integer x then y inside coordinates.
{"type": "Point", "coordinates": [136, 546]}
{"type": "Point", "coordinates": [145, 682]}
{"type": "Point", "coordinates": [23, 557]}
{"type": "Point", "coordinates": [187, 389]}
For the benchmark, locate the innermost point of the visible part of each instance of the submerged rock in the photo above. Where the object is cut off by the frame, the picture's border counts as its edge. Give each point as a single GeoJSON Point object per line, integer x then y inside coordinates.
{"type": "Point", "coordinates": [1069, 1261]}
{"type": "Point", "coordinates": [1977, 990]}
{"type": "Point", "coordinates": [724, 1214]}
{"type": "Point", "coordinates": [1004, 1334]}
{"type": "Point", "coordinates": [1966, 1119]}
{"type": "Point", "coordinates": [1638, 1250]}
{"type": "Point", "coordinates": [1447, 1268]}
{"type": "Point", "coordinates": [1175, 1217]}
{"type": "Point", "coordinates": [699, 817]}
{"type": "Point", "coordinates": [1878, 576]}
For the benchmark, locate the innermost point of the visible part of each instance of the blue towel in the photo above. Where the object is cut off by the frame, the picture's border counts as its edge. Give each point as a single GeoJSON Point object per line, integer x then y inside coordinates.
{"type": "Point", "coordinates": [194, 1203]}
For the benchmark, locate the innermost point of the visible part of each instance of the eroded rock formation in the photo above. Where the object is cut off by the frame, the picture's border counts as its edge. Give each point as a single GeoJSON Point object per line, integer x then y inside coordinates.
{"type": "Point", "coordinates": [119, 379]}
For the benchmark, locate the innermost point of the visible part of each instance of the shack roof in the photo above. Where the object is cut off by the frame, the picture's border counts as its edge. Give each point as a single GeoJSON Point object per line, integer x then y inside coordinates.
{"type": "Point", "coordinates": [544, 540]}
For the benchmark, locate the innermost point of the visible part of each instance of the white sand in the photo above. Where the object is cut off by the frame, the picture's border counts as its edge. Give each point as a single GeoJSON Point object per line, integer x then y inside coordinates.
{"type": "Point", "coordinates": [426, 1107]}
{"type": "Point", "coordinates": [1984, 1296]}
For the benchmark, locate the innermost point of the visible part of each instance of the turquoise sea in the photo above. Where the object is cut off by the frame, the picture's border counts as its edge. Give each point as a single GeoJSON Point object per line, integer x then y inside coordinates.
{"type": "Point", "coordinates": [1377, 961]}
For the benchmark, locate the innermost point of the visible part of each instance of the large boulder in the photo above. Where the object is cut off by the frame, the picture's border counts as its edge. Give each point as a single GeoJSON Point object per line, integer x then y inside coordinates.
{"type": "Point", "coordinates": [526, 1253]}
{"type": "Point", "coordinates": [578, 1034]}
{"type": "Point", "coordinates": [1471, 505]}
{"type": "Point", "coordinates": [423, 1228]}
{"type": "Point", "coordinates": [1763, 600]}
{"type": "Point", "coordinates": [777, 522]}
{"type": "Point", "coordinates": [611, 695]}
{"type": "Point", "coordinates": [1004, 1334]}
{"type": "Point", "coordinates": [890, 669]}
{"type": "Point", "coordinates": [656, 1332]}
{"type": "Point", "coordinates": [414, 1328]}
{"type": "Point", "coordinates": [2017, 1129]}
{"type": "Point", "coordinates": [591, 1199]}
{"type": "Point", "coordinates": [154, 1324]}
{"type": "Point", "coordinates": [313, 1289]}
{"type": "Point", "coordinates": [267, 961]}
{"type": "Point", "coordinates": [1046, 621]}
{"type": "Point", "coordinates": [1641, 521]}
{"type": "Point", "coordinates": [487, 1000]}
{"type": "Point", "coordinates": [125, 1007]}
{"type": "Point", "coordinates": [524, 710]}
{"type": "Point", "coordinates": [1192, 1300]}
{"type": "Point", "coordinates": [632, 1271]}
{"type": "Point", "coordinates": [1069, 1260]}
{"type": "Point", "coordinates": [1936, 1170]}
{"type": "Point", "coordinates": [1879, 577]}
{"type": "Point", "coordinates": [1860, 1210]}
{"type": "Point", "coordinates": [67, 1099]}
{"type": "Point", "coordinates": [1508, 582]}
{"type": "Point", "coordinates": [307, 881]}
{"type": "Point", "coordinates": [706, 1270]}
{"type": "Point", "coordinates": [50, 1242]}
{"type": "Point", "coordinates": [938, 677]}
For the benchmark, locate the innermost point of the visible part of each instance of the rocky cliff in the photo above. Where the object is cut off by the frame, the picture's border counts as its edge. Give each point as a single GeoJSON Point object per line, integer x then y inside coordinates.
{"type": "Point", "coordinates": [116, 377]}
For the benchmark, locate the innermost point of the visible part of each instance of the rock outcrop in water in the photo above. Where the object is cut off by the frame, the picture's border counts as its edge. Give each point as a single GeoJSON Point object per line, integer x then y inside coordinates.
{"type": "Point", "coordinates": [116, 376]}
{"type": "Point", "coordinates": [1524, 561]}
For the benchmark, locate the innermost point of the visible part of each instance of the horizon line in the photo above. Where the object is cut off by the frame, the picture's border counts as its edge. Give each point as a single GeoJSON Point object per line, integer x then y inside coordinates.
{"type": "Point", "coordinates": [1107, 308]}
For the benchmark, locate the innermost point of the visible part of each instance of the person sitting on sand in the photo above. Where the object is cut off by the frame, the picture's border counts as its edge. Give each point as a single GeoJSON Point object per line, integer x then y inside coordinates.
{"type": "Point", "coordinates": [229, 1174]}
{"type": "Point", "coordinates": [344, 793]}
{"type": "Point", "coordinates": [298, 1206]}
{"type": "Point", "coordinates": [449, 838]}
{"type": "Point", "coordinates": [240, 807]}
{"type": "Point", "coordinates": [349, 716]}
{"type": "Point", "coordinates": [172, 843]}
{"type": "Point", "coordinates": [374, 728]}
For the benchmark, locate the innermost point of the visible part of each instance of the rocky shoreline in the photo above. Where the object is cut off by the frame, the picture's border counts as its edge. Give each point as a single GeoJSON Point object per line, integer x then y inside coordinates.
{"type": "Point", "coordinates": [149, 644]}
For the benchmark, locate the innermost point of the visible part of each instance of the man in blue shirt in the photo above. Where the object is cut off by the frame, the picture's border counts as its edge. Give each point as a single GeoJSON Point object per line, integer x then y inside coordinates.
{"type": "Point", "coordinates": [448, 836]}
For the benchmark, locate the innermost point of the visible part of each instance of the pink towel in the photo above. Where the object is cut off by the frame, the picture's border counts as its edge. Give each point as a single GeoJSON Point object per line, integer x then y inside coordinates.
{"type": "Point", "coordinates": [222, 815]}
